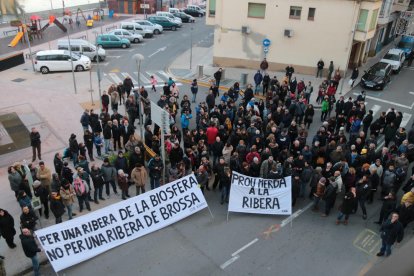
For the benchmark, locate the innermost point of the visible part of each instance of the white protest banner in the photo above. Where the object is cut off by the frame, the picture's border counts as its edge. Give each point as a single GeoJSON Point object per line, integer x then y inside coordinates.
{"type": "Point", "coordinates": [80, 239]}
{"type": "Point", "coordinates": [260, 196]}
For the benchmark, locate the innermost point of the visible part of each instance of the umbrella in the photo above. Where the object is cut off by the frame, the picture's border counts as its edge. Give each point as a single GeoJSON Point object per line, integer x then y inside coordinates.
{"type": "Point", "coordinates": [35, 17]}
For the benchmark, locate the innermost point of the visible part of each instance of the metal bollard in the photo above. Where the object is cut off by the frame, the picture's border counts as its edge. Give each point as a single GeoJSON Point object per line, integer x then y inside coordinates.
{"type": "Point", "coordinates": [200, 69]}
{"type": "Point", "coordinates": [243, 79]}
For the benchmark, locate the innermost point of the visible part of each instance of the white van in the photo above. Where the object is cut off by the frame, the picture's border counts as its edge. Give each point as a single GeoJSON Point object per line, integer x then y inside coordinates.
{"type": "Point", "coordinates": [197, 8]}
{"type": "Point", "coordinates": [60, 60]}
{"type": "Point", "coordinates": [136, 28]}
{"type": "Point", "coordinates": [82, 47]}
{"type": "Point", "coordinates": [171, 17]}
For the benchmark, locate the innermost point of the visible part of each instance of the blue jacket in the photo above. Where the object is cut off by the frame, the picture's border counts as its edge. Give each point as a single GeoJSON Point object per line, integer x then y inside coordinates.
{"type": "Point", "coordinates": [185, 122]}
{"type": "Point", "coordinates": [258, 78]}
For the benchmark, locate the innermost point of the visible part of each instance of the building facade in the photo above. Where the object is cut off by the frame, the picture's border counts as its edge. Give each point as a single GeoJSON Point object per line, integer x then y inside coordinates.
{"type": "Point", "coordinates": [300, 31]}
{"type": "Point", "coordinates": [144, 6]}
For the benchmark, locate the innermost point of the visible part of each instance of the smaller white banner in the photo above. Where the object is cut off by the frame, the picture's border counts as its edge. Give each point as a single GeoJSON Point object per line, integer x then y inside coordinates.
{"type": "Point", "coordinates": [260, 196]}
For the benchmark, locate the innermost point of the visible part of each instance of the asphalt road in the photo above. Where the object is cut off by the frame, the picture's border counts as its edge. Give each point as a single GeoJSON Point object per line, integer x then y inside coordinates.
{"type": "Point", "coordinates": [302, 244]}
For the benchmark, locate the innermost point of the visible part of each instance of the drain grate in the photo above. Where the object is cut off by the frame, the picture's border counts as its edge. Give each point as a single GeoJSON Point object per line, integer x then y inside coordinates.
{"type": "Point", "coordinates": [18, 80]}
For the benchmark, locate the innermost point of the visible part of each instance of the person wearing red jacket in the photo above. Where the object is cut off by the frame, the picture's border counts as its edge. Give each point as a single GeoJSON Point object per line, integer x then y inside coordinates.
{"type": "Point", "coordinates": [331, 90]}
{"type": "Point", "coordinates": [211, 133]}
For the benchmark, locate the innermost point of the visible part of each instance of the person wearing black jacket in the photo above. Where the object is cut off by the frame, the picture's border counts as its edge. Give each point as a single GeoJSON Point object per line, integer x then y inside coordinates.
{"type": "Point", "coordinates": [366, 122]}
{"type": "Point", "coordinates": [363, 187]}
{"type": "Point", "coordinates": [74, 149]}
{"type": "Point", "coordinates": [35, 143]}
{"type": "Point", "coordinates": [43, 194]}
{"type": "Point", "coordinates": [225, 183]}
{"type": "Point", "coordinates": [391, 231]}
{"type": "Point", "coordinates": [126, 130]}
{"type": "Point", "coordinates": [57, 207]}
{"type": "Point", "coordinates": [28, 218]}
{"type": "Point", "coordinates": [329, 196]}
{"type": "Point", "coordinates": [217, 76]}
{"type": "Point", "coordinates": [7, 230]}
{"type": "Point", "coordinates": [218, 170]}
{"type": "Point", "coordinates": [88, 141]}
{"type": "Point", "coordinates": [30, 249]}
{"type": "Point", "coordinates": [388, 205]}
{"type": "Point", "coordinates": [58, 163]}
{"type": "Point", "coordinates": [217, 149]}
{"type": "Point", "coordinates": [98, 182]}
{"type": "Point", "coordinates": [128, 85]}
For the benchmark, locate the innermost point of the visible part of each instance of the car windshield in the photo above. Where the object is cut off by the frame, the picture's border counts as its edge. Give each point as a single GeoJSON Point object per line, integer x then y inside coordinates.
{"type": "Point", "coordinates": [75, 55]}
{"type": "Point", "coordinates": [392, 57]}
{"type": "Point", "coordinates": [376, 71]}
{"type": "Point", "coordinates": [406, 44]}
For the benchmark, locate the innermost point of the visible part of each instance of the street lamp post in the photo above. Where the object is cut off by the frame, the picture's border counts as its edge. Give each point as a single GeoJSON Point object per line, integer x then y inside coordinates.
{"type": "Point", "coordinates": [138, 59]}
{"type": "Point", "coordinates": [71, 62]}
{"type": "Point", "coordinates": [28, 40]}
{"type": "Point", "coordinates": [191, 47]}
{"type": "Point", "coordinates": [98, 72]}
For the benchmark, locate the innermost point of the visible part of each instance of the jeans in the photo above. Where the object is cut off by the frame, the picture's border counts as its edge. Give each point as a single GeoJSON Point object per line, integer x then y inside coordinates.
{"type": "Point", "coordinates": [194, 97]}
{"type": "Point", "coordinates": [319, 73]}
{"type": "Point", "coordinates": [70, 212]}
{"type": "Point", "coordinates": [225, 194]}
{"type": "Point", "coordinates": [83, 199]}
{"type": "Point", "coordinates": [96, 192]}
{"type": "Point", "coordinates": [36, 265]}
{"type": "Point", "coordinates": [302, 189]}
{"type": "Point", "coordinates": [386, 248]}
{"type": "Point", "coordinates": [154, 182]}
{"type": "Point", "coordinates": [107, 187]}
{"type": "Point", "coordinates": [140, 188]}
{"type": "Point", "coordinates": [361, 202]}
{"type": "Point", "coordinates": [107, 145]}
{"type": "Point", "coordinates": [316, 202]}
{"type": "Point", "coordinates": [340, 216]}
{"type": "Point", "coordinates": [75, 158]}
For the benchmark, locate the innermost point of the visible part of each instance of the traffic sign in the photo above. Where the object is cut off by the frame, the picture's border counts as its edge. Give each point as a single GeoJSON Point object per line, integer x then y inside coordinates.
{"type": "Point", "coordinates": [266, 49]}
{"type": "Point", "coordinates": [266, 42]}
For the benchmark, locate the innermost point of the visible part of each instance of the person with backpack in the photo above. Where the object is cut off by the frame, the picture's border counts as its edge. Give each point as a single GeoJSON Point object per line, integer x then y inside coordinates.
{"type": "Point", "coordinates": [56, 206]}
{"type": "Point", "coordinates": [82, 192]}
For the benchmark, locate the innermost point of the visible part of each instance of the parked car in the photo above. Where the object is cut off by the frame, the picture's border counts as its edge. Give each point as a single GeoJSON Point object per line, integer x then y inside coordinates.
{"type": "Point", "coordinates": [406, 44]}
{"type": "Point", "coordinates": [60, 60]}
{"type": "Point", "coordinates": [147, 25]}
{"type": "Point", "coordinates": [377, 76]}
{"type": "Point", "coordinates": [136, 28]}
{"type": "Point", "coordinates": [165, 22]}
{"type": "Point", "coordinates": [195, 11]}
{"type": "Point", "coordinates": [171, 17]}
{"type": "Point", "coordinates": [134, 38]}
{"type": "Point", "coordinates": [112, 41]}
{"type": "Point", "coordinates": [186, 18]}
{"type": "Point", "coordinates": [173, 10]}
{"type": "Point", "coordinates": [82, 47]}
{"type": "Point", "coordinates": [396, 58]}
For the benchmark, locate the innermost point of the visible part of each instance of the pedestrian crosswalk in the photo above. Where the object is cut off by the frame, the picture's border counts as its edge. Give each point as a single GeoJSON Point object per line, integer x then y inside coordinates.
{"type": "Point", "coordinates": [144, 78]}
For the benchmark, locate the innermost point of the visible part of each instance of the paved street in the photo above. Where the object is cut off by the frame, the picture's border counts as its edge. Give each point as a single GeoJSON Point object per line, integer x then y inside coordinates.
{"type": "Point", "coordinates": [304, 243]}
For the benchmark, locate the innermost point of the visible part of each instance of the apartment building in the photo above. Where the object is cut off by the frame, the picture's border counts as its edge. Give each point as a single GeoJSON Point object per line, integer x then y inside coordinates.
{"type": "Point", "coordinates": [300, 32]}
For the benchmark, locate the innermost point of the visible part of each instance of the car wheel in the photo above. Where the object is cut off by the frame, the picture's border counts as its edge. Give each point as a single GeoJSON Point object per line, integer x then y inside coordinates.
{"type": "Point", "coordinates": [157, 32]}
{"type": "Point", "coordinates": [136, 40]}
{"type": "Point", "coordinates": [123, 46]}
{"type": "Point", "coordinates": [101, 58]}
{"type": "Point", "coordinates": [200, 15]}
{"type": "Point", "coordinates": [44, 70]}
{"type": "Point", "coordinates": [79, 68]}
{"type": "Point", "coordinates": [173, 28]}
{"type": "Point", "coordinates": [99, 46]}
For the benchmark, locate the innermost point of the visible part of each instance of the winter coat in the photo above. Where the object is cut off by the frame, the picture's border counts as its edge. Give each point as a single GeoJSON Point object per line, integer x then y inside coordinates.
{"type": "Point", "coordinates": [123, 182]}
{"type": "Point", "coordinates": [389, 179]}
{"type": "Point", "coordinates": [121, 163]}
{"type": "Point", "coordinates": [392, 232]}
{"type": "Point", "coordinates": [7, 225]}
{"type": "Point", "coordinates": [348, 204]}
{"type": "Point", "coordinates": [153, 172]}
{"type": "Point", "coordinates": [42, 193]}
{"type": "Point", "coordinates": [330, 193]}
{"type": "Point", "coordinates": [139, 176]}
{"type": "Point", "coordinates": [34, 139]}
{"type": "Point", "coordinates": [265, 168]}
{"type": "Point", "coordinates": [28, 220]}
{"type": "Point", "coordinates": [45, 177]}
{"type": "Point", "coordinates": [202, 179]}
{"type": "Point", "coordinates": [29, 245]}
{"type": "Point", "coordinates": [15, 180]}
{"type": "Point", "coordinates": [58, 163]}
{"type": "Point", "coordinates": [320, 190]}
{"type": "Point", "coordinates": [56, 206]}
{"type": "Point", "coordinates": [97, 178]}
{"type": "Point", "coordinates": [68, 195]}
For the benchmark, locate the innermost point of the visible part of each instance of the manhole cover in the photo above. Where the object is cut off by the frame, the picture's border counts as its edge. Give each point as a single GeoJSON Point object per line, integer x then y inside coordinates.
{"type": "Point", "coordinates": [18, 80]}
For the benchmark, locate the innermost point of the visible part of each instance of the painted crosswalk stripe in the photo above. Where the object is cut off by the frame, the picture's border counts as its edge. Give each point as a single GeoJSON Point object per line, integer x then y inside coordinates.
{"type": "Point", "coordinates": [115, 77]}
{"type": "Point", "coordinates": [143, 78]}
{"type": "Point", "coordinates": [375, 108]}
{"type": "Point", "coordinates": [406, 118]}
{"type": "Point", "coordinates": [128, 75]}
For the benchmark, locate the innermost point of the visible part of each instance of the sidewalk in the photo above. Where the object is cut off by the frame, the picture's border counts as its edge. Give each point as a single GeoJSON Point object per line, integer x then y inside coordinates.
{"type": "Point", "coordinates": [180, 69]}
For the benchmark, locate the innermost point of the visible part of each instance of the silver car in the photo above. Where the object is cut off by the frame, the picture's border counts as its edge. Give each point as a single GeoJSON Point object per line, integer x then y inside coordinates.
{"type": "Point", "coordinates": [135, 38]}
{"type": "Point", "coordinates": [155, 28]}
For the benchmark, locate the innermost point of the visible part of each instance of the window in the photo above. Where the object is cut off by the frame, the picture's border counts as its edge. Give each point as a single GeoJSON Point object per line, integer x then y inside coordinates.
{"type": "Point", "coordinates": [114, 38]}
{"type": "Point", "coordinates": [256, 10]}
{"type": "Point", "coordinates": [212, 8]}
{"type": "Point", "coordinates": [87, 49]}
{"type": "Point", "coordinates": [75, 48]}
{"type": "Point", "coordinates": [295, 12]}
{"type": "Point", "coordinates": [311, 14]}
{"type": "Point", "coordinates": [104, 38]}
{"type": "Point", "coordinates": [362, 20]}
{"type": "Point", "coordinates": [373, 22]}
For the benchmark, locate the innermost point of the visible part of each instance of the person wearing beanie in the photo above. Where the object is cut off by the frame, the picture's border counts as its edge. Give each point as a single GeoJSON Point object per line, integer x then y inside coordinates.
{"type": "Point", "coordinates": [320, 190]}
{"type": "Point", "coordinates": [123, 183]}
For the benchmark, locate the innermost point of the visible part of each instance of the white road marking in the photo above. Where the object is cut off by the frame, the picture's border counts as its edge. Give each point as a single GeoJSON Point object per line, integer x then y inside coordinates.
{"type": "Point", "coordinates": [115, 77]}
{"type": "Point", "coordinates": [162, 73]}
{"type": "Point", "coordinates": [375, 108]}
{"type": "Point", "coordinates": [244, 247]}
{"type": "Point", "coordinates": [144, 78]}
{"type": "Point", "coordinates": [161, 85]}
{"type": "Point", "coordinates": [412, 93]}
{"type": "Point", "coordinates": [229, 262]}
{"type": "Point", "coordinates": [156, 52]}
{"type": "Point", "coordinates": [113, 56]}
{"type": "Point", "coordinates": [388, 102]}
{"type": "Point", "coordinates": [295, 214]}
{"type": "Point", "coordinates": [103, 64]}
{"type": "Point", "coordinates": [128, 75]}
{"type": "Point", "coordinates": [406, 118]}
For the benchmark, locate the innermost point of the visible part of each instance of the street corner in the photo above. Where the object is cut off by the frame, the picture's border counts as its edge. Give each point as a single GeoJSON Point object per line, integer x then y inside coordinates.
{"type": "Point", "coordinates": [368, 241]}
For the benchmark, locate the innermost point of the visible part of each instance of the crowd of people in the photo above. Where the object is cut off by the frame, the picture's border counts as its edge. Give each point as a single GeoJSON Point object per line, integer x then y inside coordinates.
{"type": "Point", "coordinates": [234, 130]}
